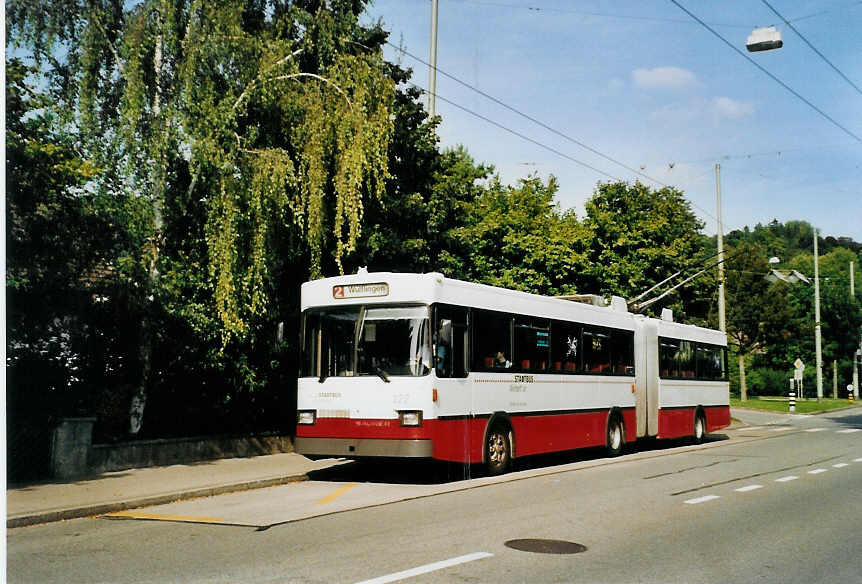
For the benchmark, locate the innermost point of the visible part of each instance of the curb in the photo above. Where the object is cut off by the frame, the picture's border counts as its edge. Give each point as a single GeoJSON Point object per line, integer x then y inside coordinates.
{"type": "Point", "coordinates": [39, 517]}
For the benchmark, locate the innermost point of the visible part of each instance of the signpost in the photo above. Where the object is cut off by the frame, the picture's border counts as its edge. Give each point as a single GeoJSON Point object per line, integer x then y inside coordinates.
{"type": "Point", "coordinates": [797, 375]}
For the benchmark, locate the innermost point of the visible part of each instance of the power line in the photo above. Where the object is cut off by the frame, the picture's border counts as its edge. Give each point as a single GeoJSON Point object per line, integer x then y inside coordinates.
{"type": "Point", "coordinates": [537, 143]}
{"type": "Point", "coordinates": [518, 134]}
{"type": "Point", "coordinates": [543, 9]}
{"type": "Point", "coordinates": [812, 47]}
{"type": "Point", "coordinates": [771, 76]}
{"type": "Point", "coordinates": [822, 12]}
{"type": "Point", "coordinates": [530, 118]}
{"type": "Point", "coordinates": [540, 9]}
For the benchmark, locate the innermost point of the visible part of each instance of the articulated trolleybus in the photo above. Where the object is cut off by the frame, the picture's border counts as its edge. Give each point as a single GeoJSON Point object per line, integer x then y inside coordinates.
{"type": "Point", "coordinates": [423, 366]}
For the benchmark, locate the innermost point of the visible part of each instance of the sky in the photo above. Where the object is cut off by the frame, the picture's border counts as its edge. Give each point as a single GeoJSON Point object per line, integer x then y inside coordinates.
{"type": "Point", "coordinates": [643, 91]}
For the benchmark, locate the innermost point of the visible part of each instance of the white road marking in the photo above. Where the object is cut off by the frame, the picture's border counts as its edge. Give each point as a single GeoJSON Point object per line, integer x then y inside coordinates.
{"type": "Point", "coordinates": [753, 428]}
{"type": "Point", "coordinates": [780, 429]}
{"type": "Point", "coordinates": [703, 499]}
{"type": "Point", "coordinates": [849, 431]}
{"type": "Point", "coordinates": [857, 460]}
{"type": "Point", "coordinates": [786, 479]}
{"type": "Point", "coordinates": [815, 429]}
{"type": "Point", "coordinates": [840, 465]}
{"type": "Point", "coordinates": [818, 470]}
{"type": "Point", "coordinates": [748, 488]}
{"type": "Point", "coordinates": [427, 568]}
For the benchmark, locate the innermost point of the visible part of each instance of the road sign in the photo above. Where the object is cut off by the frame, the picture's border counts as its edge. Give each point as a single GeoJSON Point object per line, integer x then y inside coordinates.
{"type": "Point", "coordinates": [800, 367]}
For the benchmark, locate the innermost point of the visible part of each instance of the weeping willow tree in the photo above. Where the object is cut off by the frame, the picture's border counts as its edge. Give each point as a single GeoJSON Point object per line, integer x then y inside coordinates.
{"type": "Point", "coordinates": [279, 140]}
{"type": "Point", "coordinates": [267, 111]}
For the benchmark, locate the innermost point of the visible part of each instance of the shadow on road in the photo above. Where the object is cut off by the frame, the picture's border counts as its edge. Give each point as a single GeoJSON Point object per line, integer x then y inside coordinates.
{"type": "Point", "coordinates": [433, 472]}
{"type": "Point", "coordinates": [853, 420]}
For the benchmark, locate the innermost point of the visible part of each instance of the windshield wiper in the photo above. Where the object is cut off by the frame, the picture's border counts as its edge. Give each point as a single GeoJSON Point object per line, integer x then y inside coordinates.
{"type": "Point", "coordinates": [383, 375]}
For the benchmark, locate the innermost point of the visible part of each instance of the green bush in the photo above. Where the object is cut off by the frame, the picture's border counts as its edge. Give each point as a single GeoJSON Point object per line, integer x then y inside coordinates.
{"type": "Point", "coordinates": [764, 381]}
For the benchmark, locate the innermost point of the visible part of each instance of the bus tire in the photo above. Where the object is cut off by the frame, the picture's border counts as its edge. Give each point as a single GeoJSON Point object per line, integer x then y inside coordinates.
{"type": "Point", "coordinates": [699, 427]}
{"type": "Point", "coordinates": [498, 449]}
{"type": "Point", "coordinates": [615, 435]}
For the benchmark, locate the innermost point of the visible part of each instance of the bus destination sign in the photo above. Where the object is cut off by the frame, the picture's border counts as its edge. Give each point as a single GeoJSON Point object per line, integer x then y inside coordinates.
{"type": "Point", "coordinates": [360, 290]}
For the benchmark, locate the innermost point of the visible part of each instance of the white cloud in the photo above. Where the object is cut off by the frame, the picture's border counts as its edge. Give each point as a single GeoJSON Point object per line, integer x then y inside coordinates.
{"type": "Point", "coordinates": [715, 109]}
{"type": "Point", "coordinates": [730, 108]}
{"type": "Point", "coordinates": [664, 77]}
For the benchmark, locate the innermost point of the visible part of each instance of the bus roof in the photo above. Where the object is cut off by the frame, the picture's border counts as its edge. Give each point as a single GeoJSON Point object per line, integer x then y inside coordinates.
{"type": "Point", "coordinates": [408, 288]}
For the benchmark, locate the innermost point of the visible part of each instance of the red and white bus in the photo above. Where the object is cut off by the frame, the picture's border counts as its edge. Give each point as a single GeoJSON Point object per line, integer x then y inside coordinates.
{"type": "Point", "coordinates": [424, 366]}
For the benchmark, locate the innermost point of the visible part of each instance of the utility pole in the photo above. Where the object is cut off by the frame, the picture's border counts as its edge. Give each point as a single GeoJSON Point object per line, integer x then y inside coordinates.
{"type": "Point", "coordinates": [834, 378]}
{"type": "Point", "coordinates": [722, 324]}
{"type": "Point", "coordinates": [857, 360]}
{"type": "Point", "coordinates": [432, 73]}
{"type": "Point", "coordinates": [817, 339]}
{"type": "Point", "coordinates": [852, 283]}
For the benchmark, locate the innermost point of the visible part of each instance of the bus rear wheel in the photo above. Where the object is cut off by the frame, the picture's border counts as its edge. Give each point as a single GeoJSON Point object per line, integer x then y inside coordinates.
{"type": "Point", "coordinates": [615, 436]}
{"type": "Point", "coordinates": [699, 428]}
{"type": "Point", "coordinates": [498, 450]}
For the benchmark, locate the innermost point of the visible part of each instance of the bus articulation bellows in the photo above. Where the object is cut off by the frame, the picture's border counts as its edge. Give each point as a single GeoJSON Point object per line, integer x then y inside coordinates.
{"type": "Point", "coordinates": [424, 366]}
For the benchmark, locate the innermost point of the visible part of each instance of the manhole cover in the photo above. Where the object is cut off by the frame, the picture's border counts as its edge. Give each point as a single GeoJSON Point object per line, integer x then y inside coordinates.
{"type": "Point", "coordinates": [546, 546]}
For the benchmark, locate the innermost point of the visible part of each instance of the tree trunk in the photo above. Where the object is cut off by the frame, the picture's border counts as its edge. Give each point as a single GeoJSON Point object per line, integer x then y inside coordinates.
{"type": "Point", "coordinates": [139, 400]}
{"type": "Point", "coordinates": [743, 391]}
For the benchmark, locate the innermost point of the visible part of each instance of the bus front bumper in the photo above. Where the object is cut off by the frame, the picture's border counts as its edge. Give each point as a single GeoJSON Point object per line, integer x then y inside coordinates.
{"type": "Point", "coordinates": [351, 447]}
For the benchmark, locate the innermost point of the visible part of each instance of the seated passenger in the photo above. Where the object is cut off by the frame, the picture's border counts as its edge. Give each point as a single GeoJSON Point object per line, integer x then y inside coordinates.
{"type": "Point", "coordinates": [501, 362]}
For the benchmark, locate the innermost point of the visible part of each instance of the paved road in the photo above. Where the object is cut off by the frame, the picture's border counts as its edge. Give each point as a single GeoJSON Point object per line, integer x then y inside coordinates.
{"type": "Point", "coordinates": [776, 502]}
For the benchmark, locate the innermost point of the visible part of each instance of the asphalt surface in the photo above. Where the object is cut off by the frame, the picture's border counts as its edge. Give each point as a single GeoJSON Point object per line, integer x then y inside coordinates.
{"type": "Point", "coordinates": [776, 501]}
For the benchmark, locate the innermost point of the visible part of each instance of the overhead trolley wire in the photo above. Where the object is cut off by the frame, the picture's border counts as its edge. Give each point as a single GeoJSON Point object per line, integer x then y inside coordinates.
{"type": "Point", "coordinates": [518, 134]}
{"type": "Point", "coordinates": [530, 118]}
{"type": "Point", "coordinates": [812, 47]}
{"type": "Point", "coordinates": [527, 138]}
{"type": "Point", "coordinates": [765, 71]}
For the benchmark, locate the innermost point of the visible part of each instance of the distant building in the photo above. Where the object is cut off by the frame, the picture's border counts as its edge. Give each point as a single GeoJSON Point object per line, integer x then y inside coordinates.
{"type": "Point", "coordinates": [789, 276]}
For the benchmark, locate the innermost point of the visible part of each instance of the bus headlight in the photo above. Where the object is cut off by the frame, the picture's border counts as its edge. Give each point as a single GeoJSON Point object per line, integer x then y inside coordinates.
{"type": "Point", "coordinates": [410, 418]}
{"type": "Point", "coordinates": [305, 416]}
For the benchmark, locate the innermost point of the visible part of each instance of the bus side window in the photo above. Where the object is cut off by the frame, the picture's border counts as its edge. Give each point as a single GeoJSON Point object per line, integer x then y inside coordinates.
{"type": "Point", "coordinates": [565, 347]}
{"type": "Point", "coordinates": [492, 340]}
{"type": "Point", "coordinates": [623, 352]}
{"type": "Point", "coordinates": [597, 351]}
{"type": "Point", "coordinates": [668, 365]}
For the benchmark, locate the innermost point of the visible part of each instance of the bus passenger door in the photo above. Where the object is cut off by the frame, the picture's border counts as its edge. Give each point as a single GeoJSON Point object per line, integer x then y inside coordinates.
{"type": "Point", "coordinates": [646, 378]}
{"type": "Point", "coordinates": [454, 391]}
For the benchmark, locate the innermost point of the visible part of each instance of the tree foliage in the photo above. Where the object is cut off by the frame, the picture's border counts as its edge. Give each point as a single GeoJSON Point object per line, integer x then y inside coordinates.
{"type": "Point", "coordinates": [638, 237]}
{"type": "Point", "coordinates": [517, 237]}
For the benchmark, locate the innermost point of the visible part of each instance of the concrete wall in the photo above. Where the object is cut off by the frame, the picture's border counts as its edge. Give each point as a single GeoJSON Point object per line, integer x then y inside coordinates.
{"type": "Point", "coordinates": [144, 453]}
{"type": "Point", "coordinates": [74, 455]}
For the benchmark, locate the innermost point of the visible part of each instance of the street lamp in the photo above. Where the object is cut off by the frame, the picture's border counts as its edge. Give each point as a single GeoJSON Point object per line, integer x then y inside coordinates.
{"type": "Point", "coordinates": [765, 38]}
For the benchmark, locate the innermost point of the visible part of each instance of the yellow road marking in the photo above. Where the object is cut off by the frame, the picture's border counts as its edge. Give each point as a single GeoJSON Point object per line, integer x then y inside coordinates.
{"type": "Point", "coordinates": [159, 517]}
{"type": "Point", "coordinates": [331, 497]}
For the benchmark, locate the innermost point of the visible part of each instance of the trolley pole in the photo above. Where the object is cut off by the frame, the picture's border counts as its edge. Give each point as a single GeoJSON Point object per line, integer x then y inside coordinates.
{"type": "Point", "coordinates": [722, 324]}
{"type": "Point", "coordinates": [817, 334]}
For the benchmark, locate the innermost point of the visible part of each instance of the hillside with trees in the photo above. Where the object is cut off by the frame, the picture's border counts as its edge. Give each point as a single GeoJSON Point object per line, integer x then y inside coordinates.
{"type": "Point", "coordinates": [175, 171]}
{"type": "Point", "coordinates": [773, 324]}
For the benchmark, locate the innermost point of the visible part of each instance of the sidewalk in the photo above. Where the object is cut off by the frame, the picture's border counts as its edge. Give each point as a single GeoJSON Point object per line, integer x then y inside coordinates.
{"type": "Point", "coordinates": [141, 487]}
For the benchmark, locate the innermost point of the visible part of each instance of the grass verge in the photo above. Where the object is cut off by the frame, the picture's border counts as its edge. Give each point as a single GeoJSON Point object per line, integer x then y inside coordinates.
{"type": "Point", "coordinates": [780, 404]}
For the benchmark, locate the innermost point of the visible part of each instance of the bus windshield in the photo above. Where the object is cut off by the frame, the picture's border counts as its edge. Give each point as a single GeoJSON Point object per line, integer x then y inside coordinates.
{"type": "Point", "coordinates": [367, 340]}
